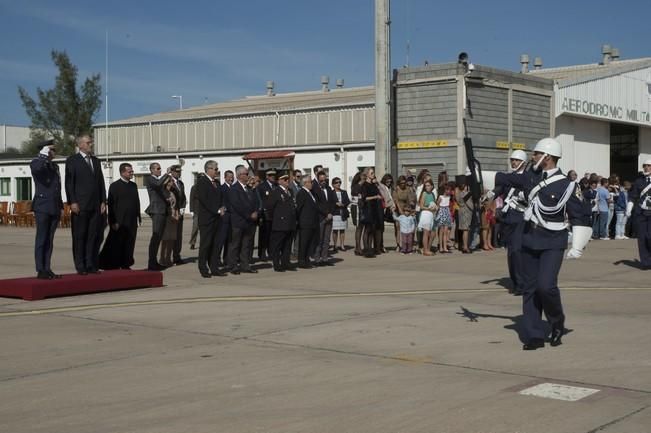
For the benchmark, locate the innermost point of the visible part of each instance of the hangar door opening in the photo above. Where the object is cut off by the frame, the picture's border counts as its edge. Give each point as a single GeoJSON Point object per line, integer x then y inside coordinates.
{"type": "Point", "coordinates": [624, 149]}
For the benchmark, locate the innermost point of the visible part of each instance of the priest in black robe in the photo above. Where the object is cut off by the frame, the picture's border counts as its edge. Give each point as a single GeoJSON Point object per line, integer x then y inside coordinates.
{"type": "Point", "coordinates": [123, 218]}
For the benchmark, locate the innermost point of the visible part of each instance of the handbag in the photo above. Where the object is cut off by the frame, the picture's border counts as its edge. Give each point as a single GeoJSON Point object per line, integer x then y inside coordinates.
{"type": "Point", "coordinates": [365, 215]}
{"type": "Point", "coordinates": [344, 214]}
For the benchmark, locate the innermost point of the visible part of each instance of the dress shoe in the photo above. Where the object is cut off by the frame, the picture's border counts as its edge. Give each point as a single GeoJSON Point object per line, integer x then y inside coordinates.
{"type": "Point", "coordinates": [279, 269]}
{"type": "Point", "coordinates": [291, 268]}
{"type": "Point", "coordinates": [192, 247]}
{"type": "Point", "coordinates": [218, 273]}
{"type": "Point", "coordinates": [249, 271]}
{"type": "Point", "coordinates": [44, 275]}
{"type": "Point", "coordinates": [533, 344]}
{"type": "Point", "coordinates": [94, 271]}
{"type": "Point", "coordinates": [555, 337]}
{"type": "Point", "coordinates": [82, 272]}
{"type": "Point", "coordinates": [53, 275]}
{"type": "Point", "coordinates": [358, 253]}
{"type": "Point", "coordinates": [156, 267]}
{"type": "Point", "coordinates": [327, 264]}
{"type": "Point", "coordinates": [179, 262]}
{"type": "Point", "coordinates": [305, 266]}
{"type": "Point", "coordinates": [235, 271]}
{"type": "Point", "coordinates": [205, 274]}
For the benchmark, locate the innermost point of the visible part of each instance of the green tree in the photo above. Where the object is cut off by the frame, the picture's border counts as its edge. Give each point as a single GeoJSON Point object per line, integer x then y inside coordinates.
{"type": "Point", "coordinates": [62, 112]}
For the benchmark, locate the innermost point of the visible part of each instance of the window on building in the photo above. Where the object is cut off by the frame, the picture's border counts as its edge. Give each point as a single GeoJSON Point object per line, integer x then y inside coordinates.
{"type": "Point", "coordinates": [23, 188]}
{"type": "Point", "coordinates": [141, 180]}
{"type": "Point", "coordinates": [5, 186]}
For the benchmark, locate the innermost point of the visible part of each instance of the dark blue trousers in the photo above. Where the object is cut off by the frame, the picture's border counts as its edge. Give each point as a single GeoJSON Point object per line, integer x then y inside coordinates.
{"type": "Point", "coordinates": [541, 293]}
{"type": "Point", "coordinates": [643, 229]}
{"type": "Point", "coordinates": [46, 225]}
{"type": "Point", "coordinates": [512, 236]}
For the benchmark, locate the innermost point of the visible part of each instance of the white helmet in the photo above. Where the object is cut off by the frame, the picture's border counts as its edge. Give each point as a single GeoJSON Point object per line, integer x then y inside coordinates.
{"type": "Point", "coordinates": [520, 155]}
{"type": "Point", "coordinates": [647, 161]}
{"type": "Point", "coordinates": [549, 146]}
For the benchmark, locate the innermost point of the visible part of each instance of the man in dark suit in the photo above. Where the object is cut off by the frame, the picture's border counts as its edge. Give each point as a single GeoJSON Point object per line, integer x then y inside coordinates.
{"type": "Point", "coordinates": [244, 216]}
{"type": "Point", "coordinates": [225, 225]}
{"type": "Point", "coordinates": [307, 213]}
{"type": "Point", "coordinates": [210, 210]}
{"type": "Point", "coordinates": [47, 206]}
{"type": "Point", "coordinates": [86, 194]}
{"type": "Point", "coordinates": [123, 218]}
{"type": "Point", "coordinates": [282, 213]}
{"type": "Point", "coordinates": [265, 189]}
{"type": "Point", "coordinates": [327, 202]}
{"type": "Point", "coordinates": [181, 201]}
{"type": "Point", "coordinates": [157, 210]}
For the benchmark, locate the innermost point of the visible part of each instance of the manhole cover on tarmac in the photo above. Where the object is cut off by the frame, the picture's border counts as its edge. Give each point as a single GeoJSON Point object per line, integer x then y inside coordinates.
{"type": "Point", "coordinates": [559, 392]}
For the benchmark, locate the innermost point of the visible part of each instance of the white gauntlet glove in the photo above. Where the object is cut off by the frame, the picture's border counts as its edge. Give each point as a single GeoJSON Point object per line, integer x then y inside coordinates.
{"type": "Point", "coordinates": [45, 151]}
{"type": "Point", "coordinates": [580, 237]}
{"type": "Point", "coordinates": [629, 209]}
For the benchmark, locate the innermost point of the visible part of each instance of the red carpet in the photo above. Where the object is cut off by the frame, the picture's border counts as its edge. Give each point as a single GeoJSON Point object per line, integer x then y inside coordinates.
{"type": "Point", "coordinates": [32, 289]}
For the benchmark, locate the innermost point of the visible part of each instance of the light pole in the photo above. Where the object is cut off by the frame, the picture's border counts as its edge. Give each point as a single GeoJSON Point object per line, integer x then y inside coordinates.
{"type": "Point", "coordinates": [180, 98]}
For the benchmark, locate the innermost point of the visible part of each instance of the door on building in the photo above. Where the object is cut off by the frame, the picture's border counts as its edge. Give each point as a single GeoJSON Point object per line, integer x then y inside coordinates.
{"type": "Point", "coordinates": [624, 150]}
{"type": "Point", "coordinates": [23, 188]}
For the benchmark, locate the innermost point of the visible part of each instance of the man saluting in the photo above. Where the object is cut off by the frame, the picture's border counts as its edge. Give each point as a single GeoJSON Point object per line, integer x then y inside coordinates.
{"type": "Point", "coordinates": [47, 206]}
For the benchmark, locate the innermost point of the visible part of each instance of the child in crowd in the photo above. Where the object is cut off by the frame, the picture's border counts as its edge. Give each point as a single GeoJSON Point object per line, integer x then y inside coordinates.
{"type": "Point", "coordinates": [487, 223]}
{"type": "Point", "coordinates": [407, 226]}
{"type": "Point", "coordinates": [444, 217]}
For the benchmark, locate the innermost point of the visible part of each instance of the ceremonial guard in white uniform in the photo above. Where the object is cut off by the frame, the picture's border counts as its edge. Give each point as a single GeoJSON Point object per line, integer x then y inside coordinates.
{"type": "Point", "coordinates": [554, 204]}
{"type": "Point", "coordinates": [512, 222]}
{"type": "Point", "coordinates": [639, 206]}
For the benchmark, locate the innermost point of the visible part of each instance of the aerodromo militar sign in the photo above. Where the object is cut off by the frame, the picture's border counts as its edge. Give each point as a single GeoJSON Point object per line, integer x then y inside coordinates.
{"type": "Point", "coordinates": [610, 111]}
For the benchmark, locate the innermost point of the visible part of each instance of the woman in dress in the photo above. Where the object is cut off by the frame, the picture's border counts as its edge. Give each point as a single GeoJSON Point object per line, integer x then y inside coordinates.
{"type": "Point", "coordinates": [340, 215]}
{"type": "Point", "coordinates": [427, 204]}
{"type": "Point", "coordinates": [355, 209]}
{"type": "Point", "coordinates": [444, 217]}
{"type": "Point", "coordinates": [371, 215]}
{"type": "Point", "coordinates": [169, 234]}
{"type": "Point", "coordinates": [463, 199]}
{"type": "Point", "coordinates": [386, 190]}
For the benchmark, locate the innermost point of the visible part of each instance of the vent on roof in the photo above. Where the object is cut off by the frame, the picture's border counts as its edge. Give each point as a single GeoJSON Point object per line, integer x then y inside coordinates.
{"type": "Point", "coordinates": [340, 83]}
{"type": "Point", "coordinates": [524, 61]}
{"type": "Point", "coordinates": [270, 88]}
{"type": "Point", "coordinates": [605, 52]}
{"type": "Point", "coordinates": [614, 54]}
{"type": "Point", "coordinates": [537, 63]}
{"type": "Point", "coordinates": [325, 80]}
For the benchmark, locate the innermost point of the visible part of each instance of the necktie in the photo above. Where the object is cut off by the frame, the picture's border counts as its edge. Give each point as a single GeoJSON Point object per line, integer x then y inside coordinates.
{"type": "Point", "coordinates": [648, 180]}
{"type": "Point", "coordinates": [544, 175]}
{"type": "Point", "coordinates": [90, 163]}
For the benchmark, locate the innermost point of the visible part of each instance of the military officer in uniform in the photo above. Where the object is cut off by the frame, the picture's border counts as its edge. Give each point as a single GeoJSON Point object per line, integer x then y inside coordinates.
{"type": "Point", "coordinates": [264, 235]}
{"type": "Point", "coordinates": [639, 207]}
{"type": "Point", "coordinates": [47, 206]}
{"type": "Point", "coordinates": [554, 204]}
{"type": "Point", "coordinates": [282, 213]}
{"type": "Point", "coordinates": [512, 219]}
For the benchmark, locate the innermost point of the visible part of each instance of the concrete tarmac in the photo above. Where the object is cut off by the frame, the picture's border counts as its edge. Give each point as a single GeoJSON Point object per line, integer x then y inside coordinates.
{"type": "Point", "coordinates": [391, 344]}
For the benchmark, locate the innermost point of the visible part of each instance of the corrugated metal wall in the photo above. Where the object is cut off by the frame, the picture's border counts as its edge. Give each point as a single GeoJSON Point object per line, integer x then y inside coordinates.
{"type": "Point", "coordinates": [284, 130]}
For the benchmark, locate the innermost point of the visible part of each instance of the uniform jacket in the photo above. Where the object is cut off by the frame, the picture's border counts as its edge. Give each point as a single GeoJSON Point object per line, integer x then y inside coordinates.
{"type": "Point", "coordinates": [307, 210]}
{"type": "Point", "coordinates": [634, 196]}
{"type": "Point", "coordinates": [243, 202]}
{"type": "Point", "coordinates": [576, 211]}
{"type": "Point", "coordinates": [158, 204]}
{"type": "Point", "coordinates": [193, 198]}
{"type": "Point", "coordinates": [282, 210]}
{"type": "Point", "coordinates": [264, 191]}
{"type": "Point", "coordinates": [209, 200]}
{"type": "Point", "coordinates": [47, 195]}
{"type": "Point", "coordinates": [85, 186]}
{"type": "Point", "coordinates": [123, 204]}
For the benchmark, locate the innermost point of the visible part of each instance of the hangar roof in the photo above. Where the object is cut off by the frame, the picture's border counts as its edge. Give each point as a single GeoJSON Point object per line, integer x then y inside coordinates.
{"type": "Point", "coordinates": [252, 105]}
{"type": "Point", "coordinates": [570, 75]}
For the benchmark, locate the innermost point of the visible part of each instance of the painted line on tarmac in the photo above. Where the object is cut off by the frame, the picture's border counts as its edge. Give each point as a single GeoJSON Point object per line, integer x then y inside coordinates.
{"type": "Point", "coordinates": [257, 298]}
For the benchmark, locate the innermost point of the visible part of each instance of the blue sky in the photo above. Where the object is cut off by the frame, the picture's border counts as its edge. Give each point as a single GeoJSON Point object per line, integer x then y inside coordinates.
{"type": "Point", "coordinates": [210, 51]}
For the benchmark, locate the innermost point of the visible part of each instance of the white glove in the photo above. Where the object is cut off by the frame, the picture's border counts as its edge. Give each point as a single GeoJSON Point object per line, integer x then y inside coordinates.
{"type": "Point", "coordinates": [580, 237]}
{"type": "Point", "coordinates": [490, 195]}
{"type": "Point", "coordinates": [45, 151]}
{"type": "Point", "coordinates": [629, 209]}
